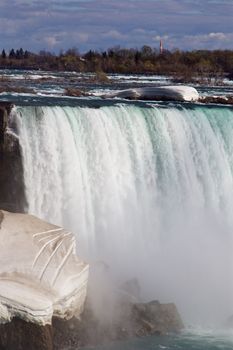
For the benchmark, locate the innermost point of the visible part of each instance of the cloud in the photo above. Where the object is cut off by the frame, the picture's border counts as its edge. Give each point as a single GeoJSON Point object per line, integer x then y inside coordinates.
{"type": "Point", "coordinates": [51, 41]}
{"type": "Point", "coordinates": [115, 34]}
{"type": "Point", "coordinates": [211, 41]}
{"type": "Point", "coordinates": [218, 36]}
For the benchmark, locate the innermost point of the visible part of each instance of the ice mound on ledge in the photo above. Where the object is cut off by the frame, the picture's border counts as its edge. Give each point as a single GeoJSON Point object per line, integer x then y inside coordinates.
{"type": "Point", "coordinates": [40, 275]}
{"type": "Point", "coordinates": [164, 93]}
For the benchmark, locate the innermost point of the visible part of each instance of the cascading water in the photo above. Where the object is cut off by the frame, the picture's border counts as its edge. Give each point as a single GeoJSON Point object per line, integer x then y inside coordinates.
{"type": "Point", "coordinates": [148, 190]}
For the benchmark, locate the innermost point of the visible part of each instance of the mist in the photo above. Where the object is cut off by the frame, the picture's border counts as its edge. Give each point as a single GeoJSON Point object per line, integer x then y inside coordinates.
{"type": "Point", "coordinates": [147, 191]}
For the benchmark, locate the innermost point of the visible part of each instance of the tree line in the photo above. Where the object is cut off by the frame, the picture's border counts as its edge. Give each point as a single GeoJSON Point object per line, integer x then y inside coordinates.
{"type": "Point", "coordinates": [181, 64]}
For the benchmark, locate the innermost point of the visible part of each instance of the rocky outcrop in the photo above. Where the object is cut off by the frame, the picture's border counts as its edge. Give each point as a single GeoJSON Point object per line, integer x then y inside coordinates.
{"type": "Point", "coordinates": [74, 92]}
{"type": "Point", "coordinates": [3, 122]}
{"type": "Point", "coordinates": [155, 318]}
{"type": "Point", "coordinates": [12, 196]}
{"type": "Point", "coordinates": [22, 335]}
{"type": "Point", "coordinates": [223, 100]}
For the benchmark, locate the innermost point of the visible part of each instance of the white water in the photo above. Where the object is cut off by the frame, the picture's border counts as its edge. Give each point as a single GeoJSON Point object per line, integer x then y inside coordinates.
{"type": "Point", "coordinates": [147, 190]}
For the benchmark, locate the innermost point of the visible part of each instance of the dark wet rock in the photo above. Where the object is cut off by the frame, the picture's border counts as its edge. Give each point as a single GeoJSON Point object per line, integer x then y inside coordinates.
{"type": "Point", "coordinates": [101, 77]}
{"type": "Point", "coordinates": [12, 195]}
{"type": "Point", "coordinates": [156, 318]}
{"type": "Point", "coordinates": [5, 109]}
{"type": "Point", "coordinates": [223, 100]}
{"type": "Point", "coordinates": [22, 335]}
{"type": "Point", "coordinates": [1, 217]}
{"type": "Point", "coordinates": [73, 92]}
{"type": "Point", "coordinates": [12, 88]}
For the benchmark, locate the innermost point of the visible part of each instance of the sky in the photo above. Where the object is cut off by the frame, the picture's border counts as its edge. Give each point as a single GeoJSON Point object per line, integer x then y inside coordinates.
{"type": "Point", "coordinates": [56, 25]}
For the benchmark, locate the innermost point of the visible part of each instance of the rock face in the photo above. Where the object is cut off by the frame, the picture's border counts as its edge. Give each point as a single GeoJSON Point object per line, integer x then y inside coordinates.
{"type": "Point", "coordinates": [40, 275]}
{"type": "Point", "coordinates": [22, 335]}
{"type": "Point", "coordinates": [223, 100]}
{"type": "Point", "coordinates": [159, 93]}
{"type": "Point", "coordinates": [12, 196]}
{"type": "Point", "coordinates": [155, 318]}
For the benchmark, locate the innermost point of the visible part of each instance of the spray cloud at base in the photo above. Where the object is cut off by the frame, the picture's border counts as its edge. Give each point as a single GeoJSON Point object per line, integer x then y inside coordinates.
{"type": "Point", "coordinates": [147, 190]}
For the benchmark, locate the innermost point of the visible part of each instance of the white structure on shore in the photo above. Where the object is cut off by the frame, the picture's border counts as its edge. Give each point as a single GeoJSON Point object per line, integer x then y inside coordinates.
{"type": "Point", "coordinates": [157, 93]}
{"type": "Point", "coordinates": [40, 274]}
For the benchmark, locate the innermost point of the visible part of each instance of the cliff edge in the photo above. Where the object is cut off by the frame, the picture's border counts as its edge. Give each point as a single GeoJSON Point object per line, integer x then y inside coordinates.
{"type": "Point", "coordinates": [12, 196]}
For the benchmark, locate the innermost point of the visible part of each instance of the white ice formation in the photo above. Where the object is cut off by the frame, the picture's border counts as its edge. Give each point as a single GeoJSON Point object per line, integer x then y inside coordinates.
{"type": "Point", "coordinates": [40, 275]}
{"type": "Point", "coordinates": [174, 93]}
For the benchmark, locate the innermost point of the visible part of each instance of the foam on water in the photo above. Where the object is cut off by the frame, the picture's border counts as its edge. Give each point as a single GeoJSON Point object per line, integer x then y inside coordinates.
{"type": "Point", "coordinates": [205, 340]}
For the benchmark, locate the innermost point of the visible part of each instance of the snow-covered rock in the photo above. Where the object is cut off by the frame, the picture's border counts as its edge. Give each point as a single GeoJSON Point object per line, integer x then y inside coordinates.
{"type": "Point", "coordinates": [174, 93]}
{"type": "Point", "coordinates": [40, 274]}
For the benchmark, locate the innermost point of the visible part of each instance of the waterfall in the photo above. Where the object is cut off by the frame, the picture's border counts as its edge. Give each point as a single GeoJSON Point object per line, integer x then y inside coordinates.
{"type": "Point", "coordinates": [148, 190]}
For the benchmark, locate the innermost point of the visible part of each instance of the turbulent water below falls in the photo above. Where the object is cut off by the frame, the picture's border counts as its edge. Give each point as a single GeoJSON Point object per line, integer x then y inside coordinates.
{"type": "Point", "coordinates": [148, 190]}
{"type": "Point", "coordinates": [207, 340]}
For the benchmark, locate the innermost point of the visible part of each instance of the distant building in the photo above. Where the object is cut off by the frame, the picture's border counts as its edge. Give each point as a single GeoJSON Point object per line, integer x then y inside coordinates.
{"type": "Point", "coordinates": [161, 47]}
